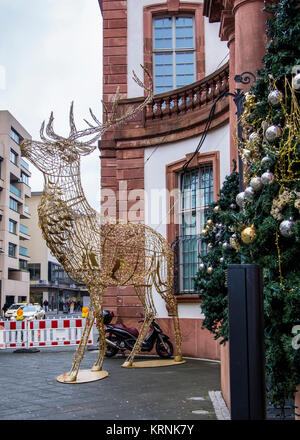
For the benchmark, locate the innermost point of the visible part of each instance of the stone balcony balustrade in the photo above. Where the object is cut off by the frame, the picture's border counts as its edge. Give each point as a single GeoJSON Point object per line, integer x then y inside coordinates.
{"type": "Point", "coordinates": [174, 115]}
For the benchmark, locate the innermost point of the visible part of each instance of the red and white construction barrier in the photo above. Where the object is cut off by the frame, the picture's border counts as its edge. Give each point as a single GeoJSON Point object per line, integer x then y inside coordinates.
{"type": "Point", "coordinates": [44, 333]}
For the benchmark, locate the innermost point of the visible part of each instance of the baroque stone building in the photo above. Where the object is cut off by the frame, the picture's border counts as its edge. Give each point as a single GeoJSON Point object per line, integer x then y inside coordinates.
{"type": "Point", "coordinates": [193, 50]}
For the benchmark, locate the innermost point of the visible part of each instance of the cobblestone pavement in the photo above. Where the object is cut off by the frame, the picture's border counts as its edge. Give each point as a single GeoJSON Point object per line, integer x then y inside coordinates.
{"type": "Point", "coordinates": [29, 390]}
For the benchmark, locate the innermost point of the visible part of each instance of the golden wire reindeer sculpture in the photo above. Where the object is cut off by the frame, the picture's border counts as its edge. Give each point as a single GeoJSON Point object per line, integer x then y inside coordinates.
{"type": "Point", "coordinates": [92, 250]}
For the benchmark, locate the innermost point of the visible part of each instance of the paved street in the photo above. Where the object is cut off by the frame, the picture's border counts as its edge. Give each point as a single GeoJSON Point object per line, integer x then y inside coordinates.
{"type": "Point", "coordinates": [29, 390]}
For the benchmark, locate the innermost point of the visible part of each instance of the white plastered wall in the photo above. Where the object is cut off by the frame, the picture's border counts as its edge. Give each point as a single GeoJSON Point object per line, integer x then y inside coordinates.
{"type": "Point", "coordinates": [215, 50]}
{"type": "Point", "coordinates": [155, 181]}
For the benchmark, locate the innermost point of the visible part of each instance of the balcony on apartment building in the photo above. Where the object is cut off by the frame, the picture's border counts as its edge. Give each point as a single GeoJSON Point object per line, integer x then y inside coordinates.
{"type": "Point", "coordinates": [23, 251]}
{"type": "Point", "coordinates": [15, 191]}
{"type": "Point", "coordinates": [24, 212]}
{"type": "Point", "coordinates": [24, 232]}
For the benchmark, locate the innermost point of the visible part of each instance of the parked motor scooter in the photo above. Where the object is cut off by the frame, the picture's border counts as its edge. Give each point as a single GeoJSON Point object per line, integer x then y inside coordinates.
{"type": "Point", "coordinates": [122, 338]}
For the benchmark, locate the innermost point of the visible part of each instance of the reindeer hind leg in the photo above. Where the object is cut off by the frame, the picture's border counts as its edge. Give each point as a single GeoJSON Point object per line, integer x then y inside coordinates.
{"type": "Point", "coordinates": [146, 299]}
{"type": "Point", "coordinates": [101, 330]}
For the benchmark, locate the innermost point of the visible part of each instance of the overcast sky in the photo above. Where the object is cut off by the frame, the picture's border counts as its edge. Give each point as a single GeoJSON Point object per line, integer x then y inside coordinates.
{"type": "Point", "coordinates": [51, 54]}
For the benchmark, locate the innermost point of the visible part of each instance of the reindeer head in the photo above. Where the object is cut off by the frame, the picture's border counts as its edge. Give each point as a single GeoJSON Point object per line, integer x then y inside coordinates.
{"type": "Point", "coordinates": [54, 154]}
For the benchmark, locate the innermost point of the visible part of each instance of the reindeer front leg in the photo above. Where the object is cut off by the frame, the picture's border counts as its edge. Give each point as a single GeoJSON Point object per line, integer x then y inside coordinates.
{"type": "Point", "coordinates": [72, 375]}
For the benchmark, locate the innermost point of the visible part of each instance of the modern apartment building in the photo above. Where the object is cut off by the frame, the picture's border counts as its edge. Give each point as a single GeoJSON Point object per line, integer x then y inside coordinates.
{"type": "Point", "coordinates": [48, 280]}
{"type": "Point", "coordinates": [14, 195]}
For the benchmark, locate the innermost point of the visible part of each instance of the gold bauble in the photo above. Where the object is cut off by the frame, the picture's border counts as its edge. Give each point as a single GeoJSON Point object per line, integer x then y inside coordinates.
{"type": "Point", "coordinates": [217, 208]}
{"type": "Point", "coordinates": [209, 223]}
{"type": "Point", "coordinates": [248, 234]}
{"type": "Point", "coordinates": [210, 270]}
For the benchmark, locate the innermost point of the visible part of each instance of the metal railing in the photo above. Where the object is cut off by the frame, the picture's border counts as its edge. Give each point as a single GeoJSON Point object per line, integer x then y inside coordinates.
{"type": "Point", "coordinates": [187, 250]}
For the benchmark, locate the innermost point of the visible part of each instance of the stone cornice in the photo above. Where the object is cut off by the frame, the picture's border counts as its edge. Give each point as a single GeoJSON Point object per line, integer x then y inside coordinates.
{"type": "Point", "coordinates": [212, 9]}
{"type": "Point", "coordinates": [227, 25]}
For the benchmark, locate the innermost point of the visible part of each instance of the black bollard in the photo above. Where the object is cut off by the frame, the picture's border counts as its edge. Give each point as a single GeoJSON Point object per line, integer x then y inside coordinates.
{"type": "Point", "coordinates": [246, 342]}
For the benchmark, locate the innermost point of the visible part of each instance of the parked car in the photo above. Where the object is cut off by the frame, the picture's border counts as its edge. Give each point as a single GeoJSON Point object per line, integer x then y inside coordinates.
{"type": "Point", "coordinates": [11, 312]}
{"type": "Point", "coordinates": [31, 312]}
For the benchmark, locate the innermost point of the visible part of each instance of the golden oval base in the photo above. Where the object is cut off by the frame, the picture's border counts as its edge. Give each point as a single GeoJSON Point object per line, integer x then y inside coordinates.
{"type": "Point", "coordinates": [84, 376]}
{"type": "Point", "coordinates": [153, 363]}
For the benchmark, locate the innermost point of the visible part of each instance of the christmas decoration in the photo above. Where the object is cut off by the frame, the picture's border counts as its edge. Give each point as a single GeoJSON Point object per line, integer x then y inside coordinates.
{"type": "Point", "coordinates": [265, 162]}
{"type": "Point", "coordinates": [277, 153]}
{"type": "Point", "coordinates": [234, 242]}
{"type": "Point", "coordinates": [296, 82]}
{"type": "Point", "coordinates": [209, 223]}
{"type": "Point", "coordinates": [272, 133]}
{"type": "Point", "coordinates": [254, 139]}
{"type": "Point", "coordinates": [212, 287]}
{"type": "Point", "coordinates": [248, 235]}
{"type": "Point", "coordinates": [278, 124]}
{"type": "Point", "coordinates": [249, 193]}
{"type": "Point", "coordinates": [210, 270]}
{"type": "Point", "coordinates": [217, 208]}
{"type": "Point", "coordinates": [256, 183]}
{"type": "Point", "coordinates": [275, 97]}
{"type": "Point", "coordinates": [240, 199]}
{"type": "Point", "coordinates": [246, 154]}
{"type": "Point", "coordinates": [285, 228]}
{"type": "Point", "coordinates": [77, 235]}
{"type": "Point", "coordinates": [267, 178]}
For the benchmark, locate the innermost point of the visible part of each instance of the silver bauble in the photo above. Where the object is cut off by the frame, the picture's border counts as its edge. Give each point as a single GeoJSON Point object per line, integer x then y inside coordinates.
{"type": "Point", "coordinates": [285, 228]}
{"type": "Point", "coordinates": [273, 132]}
{"type": "Point", "coordinates": [296, 82]}
{"type": "Point", "coordinates": [201, 266]}
{"type": "Point", "coordinates": [275, 97]}
{"type": "Point", "coordinates": [256, 183]}
{"type": "Point", "coordinates": [240, 199]}
{"type": "Point", "coordinates": [233, 206]}
{"type": "Point", "coordinates": [266, 161]}
{"type": "Point", "coordinates": [246, 153]}
{"type": "Point", "coordinates": [254, 139]}
{"type": "Point", "coordinates": [267, 178]}
{"type": "Point", "coordinates": [225, 245]}
{"type": "Point", "coordinates": [209, 246]}
{"type": "Point", "coordinates": [249, 193]}
{"type": "Point", "coordinates": [222, 260]}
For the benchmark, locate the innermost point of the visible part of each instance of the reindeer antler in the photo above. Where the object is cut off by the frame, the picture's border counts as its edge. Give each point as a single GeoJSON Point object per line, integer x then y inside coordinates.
{"type": "Point", "coordinates": [98, 129]}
